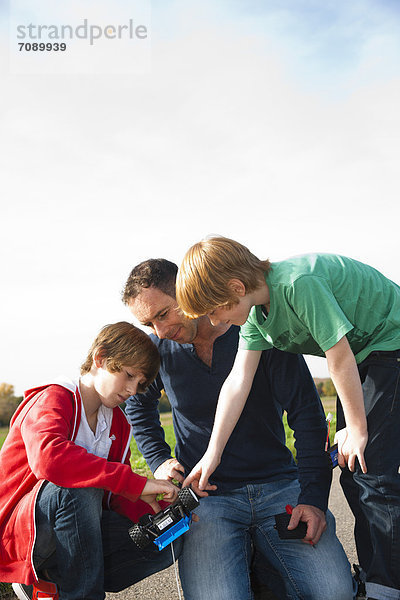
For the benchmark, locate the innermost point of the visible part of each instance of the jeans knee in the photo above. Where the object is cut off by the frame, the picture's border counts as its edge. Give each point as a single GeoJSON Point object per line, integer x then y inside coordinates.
{"type": "Point", "coordinates": [337, 590]}
{"type": "Point", "coordinates": [85, 502]}
{"type": "Point", "coordinates": [340, 586]}
{"type": "Point", "coordinates": [87, 496]}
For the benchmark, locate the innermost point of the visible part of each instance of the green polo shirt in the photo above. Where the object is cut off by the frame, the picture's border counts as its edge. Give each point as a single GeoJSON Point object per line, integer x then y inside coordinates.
{"type": "Point", "coordinates": [316, 299]}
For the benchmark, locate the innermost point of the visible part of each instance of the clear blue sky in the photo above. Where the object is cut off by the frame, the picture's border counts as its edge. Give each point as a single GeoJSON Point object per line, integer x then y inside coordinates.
{"type": "Point", "coordinates": [272, 122]}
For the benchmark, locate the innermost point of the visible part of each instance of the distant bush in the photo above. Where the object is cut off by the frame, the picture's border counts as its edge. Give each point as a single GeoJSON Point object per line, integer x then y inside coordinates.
{"type": "Point", "coordinates": [8, 403]}
{"type": "Point", "coordinates": [325, 387]}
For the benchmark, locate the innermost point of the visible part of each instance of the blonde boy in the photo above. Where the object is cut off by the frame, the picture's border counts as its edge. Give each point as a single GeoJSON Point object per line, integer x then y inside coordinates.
{"type": "Point", "coordinates": [324, 305]}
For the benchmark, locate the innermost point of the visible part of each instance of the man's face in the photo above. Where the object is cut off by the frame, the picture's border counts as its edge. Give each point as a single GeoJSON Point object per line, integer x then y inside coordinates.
{"type": "Point", "coordinates": [161, 313]}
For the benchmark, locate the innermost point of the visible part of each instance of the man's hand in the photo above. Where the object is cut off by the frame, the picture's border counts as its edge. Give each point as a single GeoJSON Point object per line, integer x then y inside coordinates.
{"type": "Point", "coordinates": [170, 469]}
{"type": "Point", "coordinates": [315, 519]}
{"type": "Point", "coordinates": [154, 487]}
{"type": "Point", "coordinates": [200, 473]}
{"type": "Point", "coordinates": [351, 447]}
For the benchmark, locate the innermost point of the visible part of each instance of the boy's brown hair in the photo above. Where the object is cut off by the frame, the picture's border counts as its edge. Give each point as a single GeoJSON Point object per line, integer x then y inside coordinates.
{"type": "Point", "coordinates": [124, 345]}
{"type": "Point", "coordinates": [207, 268]}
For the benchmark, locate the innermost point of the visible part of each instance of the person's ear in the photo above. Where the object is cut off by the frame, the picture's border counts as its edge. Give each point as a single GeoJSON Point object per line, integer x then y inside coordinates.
{"type": "Point", "coordinates": [98, 357]}
{"type": "Point", "coordinates": [237, 287]}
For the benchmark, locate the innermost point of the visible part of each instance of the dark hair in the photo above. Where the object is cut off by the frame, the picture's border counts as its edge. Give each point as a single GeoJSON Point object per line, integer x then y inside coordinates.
{"type": "Point", "coordinates": [155, 272]}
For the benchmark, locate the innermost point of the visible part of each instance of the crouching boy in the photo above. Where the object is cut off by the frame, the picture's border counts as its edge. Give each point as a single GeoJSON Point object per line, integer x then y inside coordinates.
{"type": "Point", "coordinates": [69, 494]}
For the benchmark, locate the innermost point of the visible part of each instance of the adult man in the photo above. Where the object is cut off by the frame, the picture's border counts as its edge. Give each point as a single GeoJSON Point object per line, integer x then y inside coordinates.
{"type": "Point", "coordinates": [257, 476]}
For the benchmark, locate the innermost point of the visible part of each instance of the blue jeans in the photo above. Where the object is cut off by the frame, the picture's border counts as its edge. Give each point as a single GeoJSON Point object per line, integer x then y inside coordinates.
{"type": "Point", "coordinates": [215, 561]}
{"type": "Point", "coordinates": [86, 550]}
{"type": "Point", "coordinates": [374, 497]}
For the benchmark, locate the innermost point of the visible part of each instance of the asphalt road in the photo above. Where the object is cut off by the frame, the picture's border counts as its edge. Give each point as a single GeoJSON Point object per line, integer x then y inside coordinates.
{"type": "Point", "coordinates": [163, 585]}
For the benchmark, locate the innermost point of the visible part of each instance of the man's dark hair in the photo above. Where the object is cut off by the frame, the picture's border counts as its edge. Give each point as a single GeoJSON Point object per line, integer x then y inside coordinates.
{"type": "Point", "coordinates": [155, 272]}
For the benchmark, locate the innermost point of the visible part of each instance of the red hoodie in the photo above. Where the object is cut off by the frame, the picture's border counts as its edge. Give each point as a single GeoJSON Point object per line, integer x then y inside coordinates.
{"type": "Point", "coordinates": [40, 447]}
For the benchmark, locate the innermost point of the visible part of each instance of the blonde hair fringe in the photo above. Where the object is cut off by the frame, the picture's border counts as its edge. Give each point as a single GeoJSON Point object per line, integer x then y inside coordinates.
{"type": "Point", "coordinates": [207, 268]}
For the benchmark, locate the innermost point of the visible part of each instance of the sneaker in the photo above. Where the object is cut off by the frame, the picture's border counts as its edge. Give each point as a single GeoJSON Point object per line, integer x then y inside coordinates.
{"type": "Point", "coordinates": [40, 590]}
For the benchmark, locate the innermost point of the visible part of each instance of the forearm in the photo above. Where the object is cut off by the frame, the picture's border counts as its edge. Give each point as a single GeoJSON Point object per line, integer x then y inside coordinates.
{"type": "Point", "coordinates": [314, 466]}
{"type": "Point", "coordinates": [294, 389]}
{"type": "Point", "coordinates": [344, 373]}
{"type": "Point", "coordinates": [142, 412]}
{"type": "Point", "coordinates": [155, 450]}
{"type": "Point", "coordinates": [231, 402]}
{"type": "Point", "coordinates": [315, 484]}
{"type": "Point", "coordinates": [152, 445]}
{"type": "Point", "coordinates": [232, 399]}
{"type": "Point", "coordinates": [353, 440]}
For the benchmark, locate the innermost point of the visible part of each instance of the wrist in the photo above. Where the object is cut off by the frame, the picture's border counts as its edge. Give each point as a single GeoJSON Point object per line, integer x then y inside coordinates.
{"type": "Point", "coordinates": [358, 428]}
{"type": "Point", "coordinates": [214, 452]}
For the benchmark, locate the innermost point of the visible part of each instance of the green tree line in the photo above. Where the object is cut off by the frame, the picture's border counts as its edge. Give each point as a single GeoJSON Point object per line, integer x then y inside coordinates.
{"type": "Point", "coordinates": [9, 401]}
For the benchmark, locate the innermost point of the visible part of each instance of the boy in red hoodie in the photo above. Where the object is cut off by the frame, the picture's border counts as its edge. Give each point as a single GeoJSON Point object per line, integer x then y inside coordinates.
{"type": "Point", "coordinates": [69, 494]}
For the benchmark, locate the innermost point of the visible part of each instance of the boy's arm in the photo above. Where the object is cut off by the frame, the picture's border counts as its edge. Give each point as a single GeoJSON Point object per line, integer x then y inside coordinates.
{"type": "Point", "coordinates": [343, 370]}
{"type": "Point", "coordinates": [313, 301]}
{"type": "Point", "coordinates": [54, 457]}
{"type": "Point", "coordinates": [231, 401]}
{"type": "Point", "coordinates": [148, 497]}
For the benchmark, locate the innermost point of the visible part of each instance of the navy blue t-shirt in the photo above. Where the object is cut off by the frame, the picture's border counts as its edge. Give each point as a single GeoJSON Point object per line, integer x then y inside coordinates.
{"type": "Point", "coordinates": [256, 451]}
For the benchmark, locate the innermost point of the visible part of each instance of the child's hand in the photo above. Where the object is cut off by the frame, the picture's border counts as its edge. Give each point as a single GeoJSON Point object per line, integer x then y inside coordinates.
{"type": "Point", "coordinates": [195, 487]}
{"type": "Point", "coordinates": [199, 475]}
{"type": "Point", "coordinates": [153, 488]}
{"type": "Point", "coordinates": [351, 447]}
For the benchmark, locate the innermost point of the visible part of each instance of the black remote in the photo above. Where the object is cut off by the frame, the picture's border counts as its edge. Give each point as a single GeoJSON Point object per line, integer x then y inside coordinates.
{"type": "Point", "coordinates": [281, 523]}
